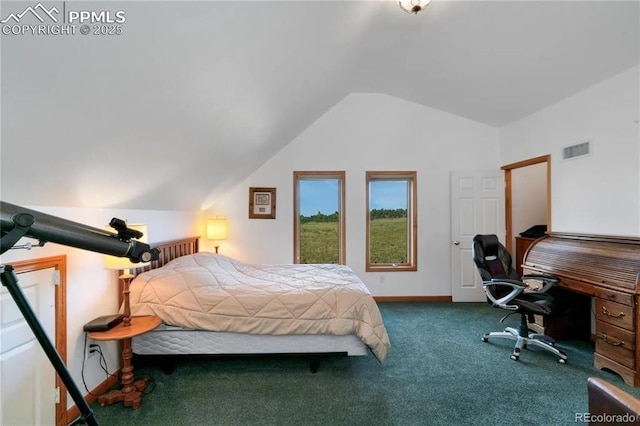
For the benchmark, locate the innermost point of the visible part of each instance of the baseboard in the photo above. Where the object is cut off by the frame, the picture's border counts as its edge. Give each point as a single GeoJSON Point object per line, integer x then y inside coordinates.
{"type": "Point", "coordinates": [91, 397]}
{"type": "Point", "coordinates": [384, 299]}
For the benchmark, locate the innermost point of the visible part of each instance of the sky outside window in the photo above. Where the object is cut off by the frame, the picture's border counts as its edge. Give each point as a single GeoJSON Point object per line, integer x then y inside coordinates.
{"type": "Point", "coordinates": [318, 196]}
{"type": "Point", "coordinates": [322, 196]}
{"type": "Point", "coordinates": [390, 195]}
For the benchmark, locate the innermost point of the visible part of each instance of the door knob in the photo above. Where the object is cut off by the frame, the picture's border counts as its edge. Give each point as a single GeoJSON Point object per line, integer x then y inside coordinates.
{"type": "Point", "coordinates": [456, 243]}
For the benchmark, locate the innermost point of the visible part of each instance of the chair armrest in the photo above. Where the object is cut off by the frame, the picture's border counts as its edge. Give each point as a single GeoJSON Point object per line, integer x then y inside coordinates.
{"type": "Point", "coordinates": [548, 280]}
{"type": "Point", "coordinates": [517, 288]}
{"type": "Point", "coordinates": [604, 398]}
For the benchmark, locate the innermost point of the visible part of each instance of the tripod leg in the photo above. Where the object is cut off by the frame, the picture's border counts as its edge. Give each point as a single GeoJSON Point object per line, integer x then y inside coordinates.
{"type": "Point", "coordinates": [10, 281]}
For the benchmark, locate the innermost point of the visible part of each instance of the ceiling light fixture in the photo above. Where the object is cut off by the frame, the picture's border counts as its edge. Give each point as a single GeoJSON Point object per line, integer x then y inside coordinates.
{"type": "Point", "coordinates": [413, 6]}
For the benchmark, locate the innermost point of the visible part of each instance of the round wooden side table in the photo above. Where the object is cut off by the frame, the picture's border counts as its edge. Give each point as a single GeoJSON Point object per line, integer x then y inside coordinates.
{"type": "Point", "coordinates": [131, 392]}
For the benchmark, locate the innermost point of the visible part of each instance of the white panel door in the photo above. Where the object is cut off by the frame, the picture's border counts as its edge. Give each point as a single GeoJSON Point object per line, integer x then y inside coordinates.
{"type": "Point", "coordinates": [27, 378]}
{"type": "Point", "coordinates": [477, 207]}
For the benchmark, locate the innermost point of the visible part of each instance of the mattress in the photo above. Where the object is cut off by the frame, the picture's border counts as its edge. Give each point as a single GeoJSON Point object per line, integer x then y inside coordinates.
{"type": "Point", "coordinates": [170, 340]}
{"type": "Point", "coordinates": [211, 292]}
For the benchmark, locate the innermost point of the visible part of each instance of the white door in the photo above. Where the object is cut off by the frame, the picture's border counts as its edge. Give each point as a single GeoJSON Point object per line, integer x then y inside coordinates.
{"type": "Point", "coordinates": [27, 378]}
{"type": "Point", "coordinates": [477, 207]}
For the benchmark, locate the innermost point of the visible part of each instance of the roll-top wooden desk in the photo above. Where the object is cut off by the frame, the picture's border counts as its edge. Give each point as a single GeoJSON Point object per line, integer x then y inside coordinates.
{"type": "Point", "coordinates": [608, 269]}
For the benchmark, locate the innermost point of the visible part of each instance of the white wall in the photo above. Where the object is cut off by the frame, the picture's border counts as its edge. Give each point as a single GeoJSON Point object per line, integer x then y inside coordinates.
{"type": "Point", "coordinates": [368, 132]}
{"type": "Point", "coordinates": [91, 290]}
{"type": "Point", "coordinates": [599, 193]}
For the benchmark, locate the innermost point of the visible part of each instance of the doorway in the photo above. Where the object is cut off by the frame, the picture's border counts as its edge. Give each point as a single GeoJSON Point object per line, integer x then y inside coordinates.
{"type": "Point", "coordinates": [514, 189]}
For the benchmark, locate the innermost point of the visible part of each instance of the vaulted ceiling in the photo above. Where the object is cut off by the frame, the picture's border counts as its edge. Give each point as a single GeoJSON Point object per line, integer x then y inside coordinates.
{"type": "Point", "coordinates": [193, 96]}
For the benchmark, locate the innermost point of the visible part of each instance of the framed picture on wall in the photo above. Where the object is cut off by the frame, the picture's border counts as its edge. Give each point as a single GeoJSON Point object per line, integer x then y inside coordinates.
{"type": "Point", "coordinates": [262, 203]}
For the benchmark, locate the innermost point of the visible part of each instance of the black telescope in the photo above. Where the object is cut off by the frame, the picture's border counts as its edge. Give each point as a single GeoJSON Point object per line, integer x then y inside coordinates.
{"type": "Point", "coordinates": [17, 222]}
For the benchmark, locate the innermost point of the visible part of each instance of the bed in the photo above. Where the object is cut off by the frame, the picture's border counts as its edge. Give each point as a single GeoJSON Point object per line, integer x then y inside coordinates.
{"type": "Point", "coordinates": [213, 305]}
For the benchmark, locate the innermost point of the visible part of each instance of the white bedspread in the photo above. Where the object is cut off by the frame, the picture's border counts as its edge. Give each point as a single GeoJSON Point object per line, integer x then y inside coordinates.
{"type": "Point", "coordinates": [213, 292]}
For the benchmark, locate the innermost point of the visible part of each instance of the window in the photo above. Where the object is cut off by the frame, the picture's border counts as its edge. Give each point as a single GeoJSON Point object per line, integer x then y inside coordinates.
{"type": "Point", "coordinates": [319, 225]}
{"type": "Point", "coordinates": [391, 222]}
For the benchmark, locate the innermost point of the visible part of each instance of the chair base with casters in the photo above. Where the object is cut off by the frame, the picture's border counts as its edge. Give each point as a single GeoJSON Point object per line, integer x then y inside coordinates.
{"type": "Point", "coordinates": [525, 339]}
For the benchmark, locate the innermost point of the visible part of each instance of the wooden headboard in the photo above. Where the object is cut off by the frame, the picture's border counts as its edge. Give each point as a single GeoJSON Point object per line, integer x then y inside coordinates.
{"type": "Point", "coordinates": [170, 250]}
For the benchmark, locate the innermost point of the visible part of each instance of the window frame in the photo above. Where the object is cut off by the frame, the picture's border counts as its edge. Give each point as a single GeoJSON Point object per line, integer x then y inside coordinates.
{"type": "Point", "coordinates": [320, 175]}
{"type": "Point", "coordinates": [412, 219]}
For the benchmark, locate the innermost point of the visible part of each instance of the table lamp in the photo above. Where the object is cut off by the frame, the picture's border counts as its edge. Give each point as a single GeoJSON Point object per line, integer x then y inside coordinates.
{"type": "Point", "coordinates": [124, 264]}
{"type": "Point", "coordinates": [217, 230]}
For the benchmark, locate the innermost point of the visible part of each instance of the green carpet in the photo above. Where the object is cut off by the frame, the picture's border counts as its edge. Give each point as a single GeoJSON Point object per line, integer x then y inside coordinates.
{"type": "Point", "coordinates": [438, 372]}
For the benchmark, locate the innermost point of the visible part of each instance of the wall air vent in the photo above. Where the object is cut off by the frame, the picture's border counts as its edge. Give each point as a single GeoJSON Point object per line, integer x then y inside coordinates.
{"type": "Point", "coordinates": [578, 150]}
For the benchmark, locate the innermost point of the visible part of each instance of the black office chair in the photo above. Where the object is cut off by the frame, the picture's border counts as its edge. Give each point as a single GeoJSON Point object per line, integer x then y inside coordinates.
{"type": "Point", "coordinates": [507, 290]}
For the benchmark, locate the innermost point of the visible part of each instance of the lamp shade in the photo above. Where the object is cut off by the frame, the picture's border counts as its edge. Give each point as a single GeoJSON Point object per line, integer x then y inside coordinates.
{"type": "Point", "coordinates": [217, 228]}
{"type": "Point", "coordinates": [119, 263]}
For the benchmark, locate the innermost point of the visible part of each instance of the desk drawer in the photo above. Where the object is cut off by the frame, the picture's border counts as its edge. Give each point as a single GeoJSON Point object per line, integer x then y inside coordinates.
{"type": "Point", "coordinates": [615, 313]}
{"type": "Point", "coordinates": [615, 343]}
{"type": "Point", "coordinates": [614, 296]}
{"type": "Point", "coordinates": [577, 286]}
